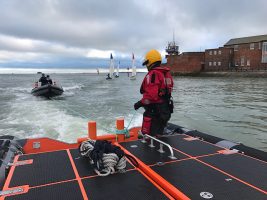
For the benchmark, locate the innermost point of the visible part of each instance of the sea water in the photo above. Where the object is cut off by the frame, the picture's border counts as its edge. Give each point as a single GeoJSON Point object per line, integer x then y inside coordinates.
{"type": "Point", "coordinates": [229, 108]}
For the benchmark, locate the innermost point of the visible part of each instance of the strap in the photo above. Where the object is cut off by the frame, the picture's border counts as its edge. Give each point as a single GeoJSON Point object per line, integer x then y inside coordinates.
{"type": "Point", "coordinates": [132, 160]}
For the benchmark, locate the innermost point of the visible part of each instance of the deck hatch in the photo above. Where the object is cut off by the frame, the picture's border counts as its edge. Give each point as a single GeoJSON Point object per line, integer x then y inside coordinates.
{"type": "Point", "coordinates": [243, 167]}
{"type": "Point", "coordinates": [191, 147]}
{"type": "Point", "coordinates": [131, 185]}
{"type": "Point", "coordinates": [66, 191]}
{"type": "Point", "coordinates": [46, 168]}
{"type": "Point", "coordinates": [192, 177]}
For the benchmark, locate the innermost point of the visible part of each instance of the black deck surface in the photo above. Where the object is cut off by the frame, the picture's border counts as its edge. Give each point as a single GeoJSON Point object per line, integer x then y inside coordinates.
{"type": "Point", "coordinates": [51, 177]}
{"type": "Point", "coordinates": [235, 176]}
{"type": "Point", "coordinates": [46, 168]}
{"type": "Point", "coordinates": [192, 178]}
{"type": "Point", "coordinates": [83, 165]}
{"type": "Point", "coordinates": [131, 185]}
{"type": "Point", "coordinates": [248, 169]}
{"type": "Point", "coordinates": [150, 155]}
{"type": "Point", "coordinates": [193, 148]}
{"type": "Point", "coordinates": [62, 191]}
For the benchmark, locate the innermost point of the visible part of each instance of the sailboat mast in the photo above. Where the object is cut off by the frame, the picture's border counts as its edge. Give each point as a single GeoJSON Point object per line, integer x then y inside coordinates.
{"type": "Point", "coordinates": [133, 66]}
{"type": "Point", "coordinates": [111, 67]}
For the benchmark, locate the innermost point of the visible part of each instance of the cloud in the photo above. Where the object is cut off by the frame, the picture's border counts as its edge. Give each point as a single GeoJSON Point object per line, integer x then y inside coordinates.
{"type": "Point", "coordinates": [56, 30]}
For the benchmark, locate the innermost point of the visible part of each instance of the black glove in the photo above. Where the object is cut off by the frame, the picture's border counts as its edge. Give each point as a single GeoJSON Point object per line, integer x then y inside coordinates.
{"type": "Point", "coordinates": [137, 105]}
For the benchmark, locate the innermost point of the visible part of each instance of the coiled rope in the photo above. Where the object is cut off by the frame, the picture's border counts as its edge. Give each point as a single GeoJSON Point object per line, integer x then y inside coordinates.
{"type": "Point", "coordinates": [105, 157]}
{"type": "Point", "coordinates": [105, 163]}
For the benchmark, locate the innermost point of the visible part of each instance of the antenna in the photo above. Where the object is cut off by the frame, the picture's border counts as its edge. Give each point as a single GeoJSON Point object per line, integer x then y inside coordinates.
{"type": "Point", "coordinates": [173, 37]}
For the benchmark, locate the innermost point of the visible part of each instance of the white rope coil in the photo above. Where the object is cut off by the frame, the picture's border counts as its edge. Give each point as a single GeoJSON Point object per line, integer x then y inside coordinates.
{"type": "Point", "coordinates": [86, 147]}
{"type": "Point", "coordinates": [111, 161]}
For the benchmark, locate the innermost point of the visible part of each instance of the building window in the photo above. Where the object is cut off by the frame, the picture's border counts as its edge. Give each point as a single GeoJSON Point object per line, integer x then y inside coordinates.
{"type": "Point", "coordinates": [210, 63]}
{"type": "Point", "coordinates": [219, 63]}
{"type": "Point", "coordinates": [219, 52]}
{"type": "Point", "coordinates": [248, 62]}
{"type": "Point", "coordinates": [264, 52]}
{"type": "Point", "coordinates": [259, 45]}
{"type": "Point", "coordinates": [242, 61]}
{"type": "Point", "coordinates": [236, 48]}
{"type": "Point", "coordinates": [252, 45]}
{"type": "Point", "coordinates": [214, 63]}
{"type": "Point", "coordinates": [230, 51]}
{"type": "Point", "coordinates": [210, 53]}
{"type": "Point", "coordinates": [215, 52]}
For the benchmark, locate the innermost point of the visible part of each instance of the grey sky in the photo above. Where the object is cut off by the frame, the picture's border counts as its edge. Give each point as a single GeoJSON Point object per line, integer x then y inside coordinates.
{"type": "Point", "coordinates": [56, 31]}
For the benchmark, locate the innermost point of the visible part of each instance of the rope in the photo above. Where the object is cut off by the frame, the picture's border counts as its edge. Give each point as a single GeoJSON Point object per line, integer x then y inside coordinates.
{"type": "Point", "coordinates": [131, 119]}
{"type": "Point", "coordinates": [82, 116]}
{"type": "Point", "coordinates": [111, 163]}
{"type": "Point", "coordinates": [107, 164]}
{"type": "Point", "coordinates": [125, 131]}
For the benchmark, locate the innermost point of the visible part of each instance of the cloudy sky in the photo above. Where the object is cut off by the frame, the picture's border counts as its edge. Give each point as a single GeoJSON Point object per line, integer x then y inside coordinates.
{"type": "Point", "coordinates": [83, 33]}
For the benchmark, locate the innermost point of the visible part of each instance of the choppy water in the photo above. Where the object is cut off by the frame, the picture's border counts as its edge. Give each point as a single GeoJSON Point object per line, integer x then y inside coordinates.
{"type": "Point", "coordinates": [230, 108]}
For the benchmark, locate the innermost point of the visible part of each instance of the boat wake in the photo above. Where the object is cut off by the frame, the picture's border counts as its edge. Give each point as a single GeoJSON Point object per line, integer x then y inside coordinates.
{"type": "Point", "coordinates": [28, 116]}
{"type": "Point", "coordinates": [71, 90]}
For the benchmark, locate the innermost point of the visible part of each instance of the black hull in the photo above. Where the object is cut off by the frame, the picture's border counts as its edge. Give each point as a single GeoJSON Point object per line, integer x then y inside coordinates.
{"type": "Point", "coordinates": [47, 91]}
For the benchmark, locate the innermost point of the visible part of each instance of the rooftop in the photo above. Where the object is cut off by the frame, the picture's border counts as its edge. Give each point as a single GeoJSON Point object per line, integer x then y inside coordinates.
{"type": "Point", "coordinates": [245, 40]}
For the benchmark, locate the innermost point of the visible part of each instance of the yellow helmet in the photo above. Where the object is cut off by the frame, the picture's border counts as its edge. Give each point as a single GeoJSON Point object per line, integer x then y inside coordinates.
{"type": "Point", "coordinates": [151, 57]}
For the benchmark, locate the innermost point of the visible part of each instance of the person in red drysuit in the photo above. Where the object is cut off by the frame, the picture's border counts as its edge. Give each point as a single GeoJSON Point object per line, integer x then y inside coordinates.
{"type": "Point", "coordinates": [156, 89]}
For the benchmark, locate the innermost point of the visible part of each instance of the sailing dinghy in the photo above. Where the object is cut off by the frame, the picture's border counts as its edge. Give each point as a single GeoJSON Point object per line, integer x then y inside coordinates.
{"type": "Point", "coordinates": [133, 76]}
{"type": "Point", "coordinates": [111, 68]}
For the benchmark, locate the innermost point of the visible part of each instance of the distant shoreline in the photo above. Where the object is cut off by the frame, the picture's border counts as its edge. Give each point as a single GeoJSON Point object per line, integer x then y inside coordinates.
{"type": "Point", "coordinates": [63, 70]}
{"type": "Point", "coordinates": [256, 74]}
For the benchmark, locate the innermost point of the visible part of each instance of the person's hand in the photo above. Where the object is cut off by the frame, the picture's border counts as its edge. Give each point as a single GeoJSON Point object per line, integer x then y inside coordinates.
{"type": "Point", "coordinates": [137, 105]}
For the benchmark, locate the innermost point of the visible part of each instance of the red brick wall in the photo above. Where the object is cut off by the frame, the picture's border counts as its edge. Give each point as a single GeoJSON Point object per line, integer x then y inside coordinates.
{"type": "Point", "coordinates": [228, 59]}
{"type": "Point", "coordinates": [253, 55]}
{"type": "Point", "coordinates": [218, 59]}
{"type": "Point", "coordinates": [188, 62]}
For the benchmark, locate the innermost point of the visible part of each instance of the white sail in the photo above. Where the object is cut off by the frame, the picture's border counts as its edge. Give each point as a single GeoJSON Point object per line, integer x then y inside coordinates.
{"type": "Point", "coordinates": [117, 70]}
{"type": "Point", "coordinates": [111, 66]}
{"type": "Point", "coordinates": [133, 76]}
{"type": "Point", "coordinates": [133, 71]}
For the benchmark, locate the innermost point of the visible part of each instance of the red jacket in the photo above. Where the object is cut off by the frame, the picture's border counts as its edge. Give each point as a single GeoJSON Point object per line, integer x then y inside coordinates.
{"type": "Point", "coordinates": [155, 84]}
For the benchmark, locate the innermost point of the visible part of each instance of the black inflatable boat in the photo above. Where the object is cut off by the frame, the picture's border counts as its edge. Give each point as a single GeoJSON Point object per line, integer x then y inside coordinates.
{"type": "Point", "coordinates": [47, 90]}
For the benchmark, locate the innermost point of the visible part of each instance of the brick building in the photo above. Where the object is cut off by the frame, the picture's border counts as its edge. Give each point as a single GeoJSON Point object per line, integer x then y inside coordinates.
{"type": "Point", "coordinates": [218, 59]}
{"type": "Point", "coordinates": [247, 53]}
{"type": "Point", "coordinates": [187, 62]}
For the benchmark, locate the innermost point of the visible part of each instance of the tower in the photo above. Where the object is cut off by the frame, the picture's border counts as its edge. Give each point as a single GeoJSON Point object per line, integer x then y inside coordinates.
{"type": "Point", "coordinates": [172, 48]}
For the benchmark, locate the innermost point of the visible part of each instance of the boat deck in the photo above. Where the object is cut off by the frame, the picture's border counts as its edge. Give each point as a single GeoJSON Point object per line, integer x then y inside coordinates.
{"type": "Point", "coordinates": [204, 167]}
{"type": "Point", "coordinates": [200, 169]}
